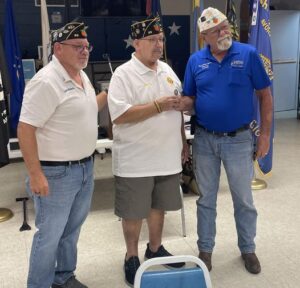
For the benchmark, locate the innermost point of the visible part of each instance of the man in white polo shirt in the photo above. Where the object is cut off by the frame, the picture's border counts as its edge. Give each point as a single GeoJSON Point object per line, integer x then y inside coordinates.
{"type": "Point", "coordinates": [148, 142]}
{"type": "Point", "coordinates": [57, 135]}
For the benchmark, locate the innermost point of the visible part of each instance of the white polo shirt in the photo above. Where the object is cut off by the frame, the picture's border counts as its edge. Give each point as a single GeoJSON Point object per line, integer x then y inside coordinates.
{"type": "Point", "coordinates": [151, 147]}
{"type": "Point", "coordinates": [65, 114]}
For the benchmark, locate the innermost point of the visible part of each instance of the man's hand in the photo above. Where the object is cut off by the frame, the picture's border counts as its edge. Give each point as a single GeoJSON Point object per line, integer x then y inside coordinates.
{"type": "Point", "coordinates": [39, 184]}
{"type": "Point", "coordinates": [263, 146]}
{"type": "Point", "coordinates": [186, 103]}
{"type": "Point", "coordinates": [185, 153]}
{"type": "Point", "coordinates": [167, 103]}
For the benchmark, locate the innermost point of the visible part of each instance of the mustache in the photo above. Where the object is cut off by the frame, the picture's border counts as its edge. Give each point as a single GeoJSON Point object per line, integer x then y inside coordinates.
{"type": "Point", "coordinates": [224, 38]}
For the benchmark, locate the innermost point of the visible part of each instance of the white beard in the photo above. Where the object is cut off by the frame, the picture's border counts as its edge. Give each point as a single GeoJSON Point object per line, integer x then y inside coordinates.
{"type": "Point", "coordinates": [225, 43]}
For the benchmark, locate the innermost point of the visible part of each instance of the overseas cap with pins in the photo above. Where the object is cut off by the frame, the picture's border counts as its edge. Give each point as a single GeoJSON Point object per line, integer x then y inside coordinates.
{"type": "Point", "coordinates": [147, 27]}
{"type": "Point", "coordinates": [72, 30]}
{"type": "Point", "coordinates": [210, 18]}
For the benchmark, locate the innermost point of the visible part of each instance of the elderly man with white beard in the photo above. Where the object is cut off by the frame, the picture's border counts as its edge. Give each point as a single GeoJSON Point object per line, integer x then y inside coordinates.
{"type": "Point", "coordinates": [221, 79]}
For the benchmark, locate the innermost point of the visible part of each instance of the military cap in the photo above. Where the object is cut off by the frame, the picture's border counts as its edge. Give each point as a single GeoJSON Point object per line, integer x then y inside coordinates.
{"type": "Point", "coordinates": [147, 27]}
{"type": "Point", "coordinates": [72, 30]}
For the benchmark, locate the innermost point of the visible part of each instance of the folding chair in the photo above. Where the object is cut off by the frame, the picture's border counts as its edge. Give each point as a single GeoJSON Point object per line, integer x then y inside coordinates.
{"type": "Point", "coordinates": [194, 277]}
{"type": "Point", "coordinates": [182, 213]}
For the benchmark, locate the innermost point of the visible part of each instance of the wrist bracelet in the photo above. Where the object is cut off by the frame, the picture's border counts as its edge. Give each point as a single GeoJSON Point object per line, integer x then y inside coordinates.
{"type": "Point", "coordinates": [157, 106]}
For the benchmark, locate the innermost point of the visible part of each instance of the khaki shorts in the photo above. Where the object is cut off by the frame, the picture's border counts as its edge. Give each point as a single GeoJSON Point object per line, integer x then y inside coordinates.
{"type": "Point", "coordinates": [134, 197]}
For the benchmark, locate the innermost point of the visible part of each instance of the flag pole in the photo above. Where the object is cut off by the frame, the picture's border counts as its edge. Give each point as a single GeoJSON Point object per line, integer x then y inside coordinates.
{"type": "Point", "coordinates": [260, 38]}
{"type": "Point", "coordinates": [257, 184]}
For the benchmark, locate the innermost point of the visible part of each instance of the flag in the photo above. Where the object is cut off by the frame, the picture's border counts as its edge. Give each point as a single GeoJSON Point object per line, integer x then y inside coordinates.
{"type": "Point", "coordinates": [250, 7]}
{"type": "Point", "coordinates": [15, 67]}
{"type": "Point", "coordinates": [198, 8]}
{"type": "Point", "coordinates": [4, 159]}
{"type": "Point", "coordinates": [260, 38]}
{"type": "Point", "coordinates": [45, 32]}
{"type": "Point", "coordinates": [153, 7]}
{"type": "Point", "coordinates": [148, 7]}
{"type": "Point", "coordinates": [231, 16]}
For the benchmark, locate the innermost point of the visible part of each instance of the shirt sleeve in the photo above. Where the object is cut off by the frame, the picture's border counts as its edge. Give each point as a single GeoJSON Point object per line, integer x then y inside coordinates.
{"type": "Point", "coordinates": [118, 96]}
{"type": "Point", "coordinates": [189, 84]}
{"type": "Point", "coordinates": [39, 103]}
{"type": "Point", "coordinates": [260, 78]}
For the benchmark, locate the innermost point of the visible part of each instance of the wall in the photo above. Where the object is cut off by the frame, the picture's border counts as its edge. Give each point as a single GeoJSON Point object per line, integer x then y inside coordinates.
{"type": "Point", "coordinates": [27, 18]}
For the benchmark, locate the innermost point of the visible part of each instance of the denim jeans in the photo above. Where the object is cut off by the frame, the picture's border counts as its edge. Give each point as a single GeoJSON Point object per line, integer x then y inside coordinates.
{"type": "Point", "coordinates": [209, 151]}
{"type": "Point", "coordinates": [58, 219]}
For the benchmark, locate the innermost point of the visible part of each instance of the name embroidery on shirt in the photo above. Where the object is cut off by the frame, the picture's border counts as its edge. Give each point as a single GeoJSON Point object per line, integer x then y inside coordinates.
{"type": "Point", "coordinates": [69, 89]}
{"type": "Point", "coordinates": [205, 65]}
{"type": "Point", "coordinates": [237, 63]}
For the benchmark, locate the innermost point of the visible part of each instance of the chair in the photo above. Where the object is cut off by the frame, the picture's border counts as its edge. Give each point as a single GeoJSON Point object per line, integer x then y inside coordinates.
{"type": "Point", "coordinates": [194, 277]}
{"type": "Point", "coordinates": [182, 213]}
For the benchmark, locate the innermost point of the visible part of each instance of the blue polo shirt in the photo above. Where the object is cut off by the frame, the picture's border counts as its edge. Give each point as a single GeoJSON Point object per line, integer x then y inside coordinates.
{"type": "Point", "coordinates": [224, 90]}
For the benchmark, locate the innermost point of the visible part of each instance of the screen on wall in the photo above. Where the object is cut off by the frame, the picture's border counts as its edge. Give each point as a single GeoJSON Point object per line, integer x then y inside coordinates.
{"type": "Point", "coordinates": [113, 8]}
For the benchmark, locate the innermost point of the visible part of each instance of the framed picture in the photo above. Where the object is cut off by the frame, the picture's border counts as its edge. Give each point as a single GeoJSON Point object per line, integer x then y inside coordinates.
{"type": "Point", "coordinates": [28, 69]}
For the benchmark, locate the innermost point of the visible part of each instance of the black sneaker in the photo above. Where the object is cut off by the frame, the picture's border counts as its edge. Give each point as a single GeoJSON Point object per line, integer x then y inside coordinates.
{"type": "Point", "coordinates": [162, 252]}
{"type": "Point", "coordinates": [72, 282]}
{"type": "Point", "coordinates": [130, 268]}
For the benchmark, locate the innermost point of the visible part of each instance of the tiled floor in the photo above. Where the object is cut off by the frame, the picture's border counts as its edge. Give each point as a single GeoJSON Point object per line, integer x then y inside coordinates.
{"type": "Point", "coordinates": [101, 245]}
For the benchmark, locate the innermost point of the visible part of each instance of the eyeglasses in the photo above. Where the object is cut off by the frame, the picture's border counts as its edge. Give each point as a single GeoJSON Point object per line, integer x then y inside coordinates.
{"type": "Point", "coordinates": [217, 32]}
{"type": "Point", "coordinates": [153, 41]}
{"type": "Point", "coordinates": [79, 48]}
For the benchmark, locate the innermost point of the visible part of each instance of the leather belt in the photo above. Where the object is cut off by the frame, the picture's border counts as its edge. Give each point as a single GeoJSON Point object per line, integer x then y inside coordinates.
{"type": "Point", "coordinates": [222, 134]}
{"type": "Point", "coordinates": [65, 163]}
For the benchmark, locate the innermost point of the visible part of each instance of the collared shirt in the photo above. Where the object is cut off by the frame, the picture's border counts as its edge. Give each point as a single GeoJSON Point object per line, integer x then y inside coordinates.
{"type": "Point", "coordinates": [151, 147]}
{"type": "Point", "coordinates": [224, 90]}
{"type": "Point", "coordinates": [64, 113]}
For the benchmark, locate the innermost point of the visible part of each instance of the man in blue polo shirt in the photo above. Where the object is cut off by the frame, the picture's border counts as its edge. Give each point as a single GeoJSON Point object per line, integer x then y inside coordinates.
{"type": "Point", "coordinates": [222, 78]}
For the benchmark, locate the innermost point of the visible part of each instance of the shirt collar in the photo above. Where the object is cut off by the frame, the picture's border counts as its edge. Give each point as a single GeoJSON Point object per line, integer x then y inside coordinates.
{"type": "Point", "coordinates": [143, 69]}
{"type": "Point", "coordinates": [232, 51]}
{"type": "Point", "coordinates": [62, 71]}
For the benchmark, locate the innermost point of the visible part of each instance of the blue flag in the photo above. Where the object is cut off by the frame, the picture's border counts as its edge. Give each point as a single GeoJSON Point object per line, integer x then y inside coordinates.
{"type": "Point", "coordinates": [153, 7]}
{"type": "Point", "coordinates": [14, 64]}
{"type": "Point", "coordinates": [260, 38]}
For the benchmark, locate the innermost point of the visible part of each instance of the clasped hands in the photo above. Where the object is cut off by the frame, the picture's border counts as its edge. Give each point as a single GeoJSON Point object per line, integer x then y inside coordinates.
{"type": "Point", "coordinates": [168, 103]}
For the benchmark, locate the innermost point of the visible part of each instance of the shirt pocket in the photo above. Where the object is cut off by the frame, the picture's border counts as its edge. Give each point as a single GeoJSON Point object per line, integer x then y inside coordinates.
{"type": "Point", "coordinates": [238, 77]}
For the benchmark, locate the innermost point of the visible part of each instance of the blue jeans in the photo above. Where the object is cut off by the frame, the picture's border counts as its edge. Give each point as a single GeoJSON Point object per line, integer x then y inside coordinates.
{"type": "Point", "coordinates": [236, 155]}
{"type": "Point", "coordinates": [58, 219]}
